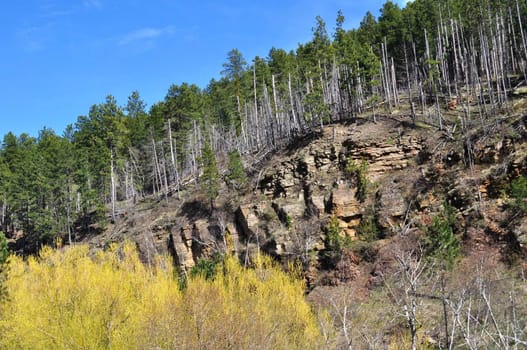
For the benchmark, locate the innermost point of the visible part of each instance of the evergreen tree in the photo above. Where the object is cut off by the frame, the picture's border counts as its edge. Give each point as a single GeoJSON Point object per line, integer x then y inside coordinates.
{"type": "Point", "coordinates": [441, 242]}
{"type": "Point", "coordinates": [235, 66]}
{"type": "Point", "coordinates": [237, 176]}
{"type": "Point", "coordinates": [211, 177]}
{"type": "Point", "coordinates": [281, 62]}
{"type": "Point", "coordinates": [219, 105]}
{"type": "Point", "coordinates": [368, 31]}
{"type": "Point", "coordinates": [233, 72]}
{"type": "Point", "coordinates": [137, 119]}
{"type": "Point", "coordinates": [392, 29]}
{"type": "Point", "coordinates": [422, 15]}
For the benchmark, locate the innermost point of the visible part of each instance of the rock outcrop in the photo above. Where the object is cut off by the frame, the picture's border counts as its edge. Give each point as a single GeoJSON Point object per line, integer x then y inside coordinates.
{"type": "Point", "coordinates": [311, 183]}
{"type": "Point", "coordinates": [297, 192]}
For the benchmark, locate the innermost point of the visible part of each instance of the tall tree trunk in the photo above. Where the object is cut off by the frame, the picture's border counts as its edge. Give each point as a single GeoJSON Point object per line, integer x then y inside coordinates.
{"type": "Point", "coordinates": [296, 124]}
{"type": "Point", "coordinates": [408, 81]}
{"type": "Point", "coordinates": [4, 210]}
{"type": "Point", "coordinates": [68, 213]}
{"type": "Point", "coordinates": [385, 76]}
{"type": "Point", "coordinates": [524, 40]}
{"type": "Point", "coordinates": [157, 168]}
{"type": "Point", "coordinates": [173, 157]}
{"type": "Point", "coordinates": [277, 113]}
{"type": "Point", "coordinates": [112, 184]}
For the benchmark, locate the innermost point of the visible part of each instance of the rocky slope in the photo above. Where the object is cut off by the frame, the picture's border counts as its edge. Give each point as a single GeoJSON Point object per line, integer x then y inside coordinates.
{"type": "Point", "coordinates": [353, 203]}
{"type": "Point", "coordinates": [286, 208]}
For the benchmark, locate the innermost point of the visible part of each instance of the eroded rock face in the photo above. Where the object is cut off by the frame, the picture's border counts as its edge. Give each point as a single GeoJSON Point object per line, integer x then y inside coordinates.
{"type": "Point", "coordinates": [247, 218]}
{"type": "Point", "coordinates": [296, 192]}
{"type": "Point", "coordinates": [344, 203]}
{"type": "Point", "coordinates": [297, 195]}
{"type": "Point", "coordinates": [180, 242]}
{"type": "Point", "coordinates": [265, 226]}
{"type": "Point", "coordinates": [190, 240]}
{"type": "Point", "coordinates": [391, 208]}
{"type": "Point", "coordinates": [382, 156]}
{"type": "Point", "coordinates": [491, 151]}
{"type": "Point", "coordinates": [312, 184]}
{"type": "Point", "coordinates": [347, 209]}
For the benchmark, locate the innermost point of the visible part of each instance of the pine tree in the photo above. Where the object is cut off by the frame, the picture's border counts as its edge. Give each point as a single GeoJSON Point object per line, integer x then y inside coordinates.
{"type": "Point", "coordinates": [441, 242]}
{"type": "Point", "coordinates": [237, 176]}
{"type": "Point", "coordinates": [211, 176]}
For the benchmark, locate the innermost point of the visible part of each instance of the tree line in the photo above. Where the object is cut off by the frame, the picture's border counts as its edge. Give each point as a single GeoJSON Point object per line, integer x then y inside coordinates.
{"type": "Point", "coordinates": [418, 58]}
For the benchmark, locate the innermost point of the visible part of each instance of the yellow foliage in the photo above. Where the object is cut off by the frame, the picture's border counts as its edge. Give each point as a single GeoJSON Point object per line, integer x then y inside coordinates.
{"type": "Point", "coordinates": [69, 299]}
{"type": "Point", "coordinates": [402, 340]}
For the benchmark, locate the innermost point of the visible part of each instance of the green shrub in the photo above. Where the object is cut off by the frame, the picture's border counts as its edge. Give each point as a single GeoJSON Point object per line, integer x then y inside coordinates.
{"type": "Point", "coordinates": [517, 192]}
{"type": "Point", "coordinates": [269, 215]}
{"type": "Point", "coordinates": [288, 221]}
{"type": "Point", "coordinates": [367, 251]}
{"type": "Point", "coordinates": [440, 241]}
{"type": "Point", "coordinates": [368, 229]}
{"type": "Point", "coordinates": [207, 268]}
{"type": "Point", "coordinates": [236, 176]}
{"type": "Point", "coordinates": [337, 241]}
{"type": "Point", "coordinates": [358, 173]}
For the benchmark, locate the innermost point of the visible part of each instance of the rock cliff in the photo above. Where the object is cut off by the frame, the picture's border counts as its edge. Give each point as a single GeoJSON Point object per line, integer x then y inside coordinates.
{"type": "Point", "coordinates": [409, 172]}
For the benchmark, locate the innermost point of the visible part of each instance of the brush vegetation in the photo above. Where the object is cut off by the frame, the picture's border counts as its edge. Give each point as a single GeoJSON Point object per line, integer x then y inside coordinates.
{"type": "Point", "coordinates": [72, 299]}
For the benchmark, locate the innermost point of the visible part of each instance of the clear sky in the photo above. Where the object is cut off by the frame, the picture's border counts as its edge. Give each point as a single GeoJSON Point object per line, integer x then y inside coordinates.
{"type": "Point", "coordinates": [59, 57]}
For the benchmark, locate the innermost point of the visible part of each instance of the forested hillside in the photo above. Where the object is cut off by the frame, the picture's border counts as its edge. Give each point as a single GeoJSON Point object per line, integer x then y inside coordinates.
{"type": "Point", "coordinates": [428, 54]}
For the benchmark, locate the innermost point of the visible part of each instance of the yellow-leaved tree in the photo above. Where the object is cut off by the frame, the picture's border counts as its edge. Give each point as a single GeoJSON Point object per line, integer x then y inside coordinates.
{"type": "Point", "coordinates": [71, 299]}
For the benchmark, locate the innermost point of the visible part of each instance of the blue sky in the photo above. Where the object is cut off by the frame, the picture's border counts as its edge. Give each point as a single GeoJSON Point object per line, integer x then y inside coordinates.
{"type": "Point", "coordinates": [59, 57]}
